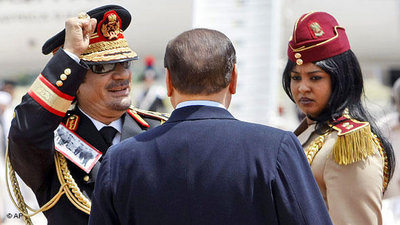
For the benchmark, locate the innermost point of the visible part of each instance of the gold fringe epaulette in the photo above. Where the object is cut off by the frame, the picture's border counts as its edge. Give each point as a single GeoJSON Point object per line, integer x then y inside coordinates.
{"type": "Point", "coordinates": [155, 115]}
{"type": "Point", "coordinates": [355, 140]}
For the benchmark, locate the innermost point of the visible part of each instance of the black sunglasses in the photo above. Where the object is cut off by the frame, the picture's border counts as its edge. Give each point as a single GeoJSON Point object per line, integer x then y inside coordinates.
{"type": "Point", "coordinates": [105, 68]}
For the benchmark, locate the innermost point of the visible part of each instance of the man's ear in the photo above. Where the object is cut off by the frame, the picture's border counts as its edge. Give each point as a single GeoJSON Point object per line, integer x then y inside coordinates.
{"type": "Point", "coordinates": [233, 83]}
{"type": "Point", "coordinates": [168, 82]}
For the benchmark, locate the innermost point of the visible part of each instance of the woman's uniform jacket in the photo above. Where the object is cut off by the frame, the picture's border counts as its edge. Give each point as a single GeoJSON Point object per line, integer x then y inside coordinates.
{"type": "Point", "coordinates": [351, 187]}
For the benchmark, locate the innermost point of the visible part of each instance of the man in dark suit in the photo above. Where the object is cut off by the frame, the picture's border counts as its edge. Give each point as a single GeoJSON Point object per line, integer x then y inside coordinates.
{"type": "Point", "coordinates": [85, 87]}
{"type": "Point", "coordinates": [203, 166]}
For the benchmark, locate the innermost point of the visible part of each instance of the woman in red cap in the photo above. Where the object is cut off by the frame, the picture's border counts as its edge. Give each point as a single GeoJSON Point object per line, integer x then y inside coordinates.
{"type": "Point", "coordinates": [351, 161]}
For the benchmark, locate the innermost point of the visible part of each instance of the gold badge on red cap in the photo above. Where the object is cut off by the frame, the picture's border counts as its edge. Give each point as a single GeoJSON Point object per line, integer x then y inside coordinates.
{"type": "Point", "coordinates": [316, 29]}
{"type": "Point", "coordinates": [111, 27]}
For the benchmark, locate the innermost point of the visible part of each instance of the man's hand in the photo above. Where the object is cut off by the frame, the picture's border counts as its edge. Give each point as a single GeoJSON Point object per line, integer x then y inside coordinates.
{"type": "Point", "coordinates": [77, 34]}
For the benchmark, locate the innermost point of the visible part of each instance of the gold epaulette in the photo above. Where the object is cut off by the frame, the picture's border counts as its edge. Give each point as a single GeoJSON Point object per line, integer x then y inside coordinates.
{"type": "Point", "coordinates": [155, 115]}
{"type": "Point", "coordinates": [355, 140]}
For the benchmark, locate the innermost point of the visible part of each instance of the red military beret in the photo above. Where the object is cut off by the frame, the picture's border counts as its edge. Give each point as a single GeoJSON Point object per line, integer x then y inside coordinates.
{"type": "Point", "coordinates": [316, 36]}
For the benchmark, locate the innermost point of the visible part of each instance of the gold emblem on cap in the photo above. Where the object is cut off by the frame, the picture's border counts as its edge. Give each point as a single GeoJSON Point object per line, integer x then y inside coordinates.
{"type": "Point", "coordinates": [63, 77]}
{"type": "Point", "coordinates": [59, 83]}
{"type": "Point", "coordinates": [111, 27]}
{"type": "Point", "coordinates": [297, 55]}
{"type": "Point", "coordinates": [67, 71]}
{"type": "Point", "coordinates": [316, 28]}
{"type": "Point", "coordinates": [299, 62]}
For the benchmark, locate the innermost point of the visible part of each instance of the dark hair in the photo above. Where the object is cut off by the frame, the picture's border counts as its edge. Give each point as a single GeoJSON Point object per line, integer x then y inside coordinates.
{"type": "Point", "coordinates": [347, 91]}
{"type": "Point", "coordinates": [200, 61]}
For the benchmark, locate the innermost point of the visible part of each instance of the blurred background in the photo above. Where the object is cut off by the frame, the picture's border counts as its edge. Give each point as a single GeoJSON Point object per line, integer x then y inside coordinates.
{"type": "Point", "coordinates": [259, 29]}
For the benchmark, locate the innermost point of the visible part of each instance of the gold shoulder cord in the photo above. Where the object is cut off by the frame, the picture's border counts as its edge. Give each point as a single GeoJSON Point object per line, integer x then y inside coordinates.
{"type": "Point", "coordinates": [385, 161]}
{"type": "Point", "coordinates": [318, 142]}
{"type": "Point", "coordinates": [315, 146]}
{"type": "Point", "coordinates": [74, 194]}
{"type": "Point", "coordinates": [68, 187]}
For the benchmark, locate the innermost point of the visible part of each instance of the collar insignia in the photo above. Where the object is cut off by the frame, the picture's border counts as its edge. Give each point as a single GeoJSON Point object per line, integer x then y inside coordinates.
{"type": "Point", "coordinates": [72, 122]}
{"type": "Point", "coordinates": [138, 118]}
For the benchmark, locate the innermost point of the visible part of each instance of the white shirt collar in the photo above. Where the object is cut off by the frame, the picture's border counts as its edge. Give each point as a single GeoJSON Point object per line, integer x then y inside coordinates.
{"type": "Point", "coordinates": [200, 102]}
{"type": "Point", "coordinates": [117, 124]}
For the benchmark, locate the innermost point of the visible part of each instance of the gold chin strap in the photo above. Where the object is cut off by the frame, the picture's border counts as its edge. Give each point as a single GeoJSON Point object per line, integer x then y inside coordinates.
{"type": "Point", "coordinates": [68, 187]}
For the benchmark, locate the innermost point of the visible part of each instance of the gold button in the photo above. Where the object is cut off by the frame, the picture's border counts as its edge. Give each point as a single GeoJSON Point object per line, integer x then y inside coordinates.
{"type": "Point", "coordinates": [86, 178]}
{"type": "Point", "coordinates": [299, 62]}
{"type": "Point", "coordinates": [63, 77]}
{"type": "Point", "coordinates": [297, 55]}
{"type": "Point", "coordinates": [59, 83]}
{"type": "Point", "coordinates": [67, 71]}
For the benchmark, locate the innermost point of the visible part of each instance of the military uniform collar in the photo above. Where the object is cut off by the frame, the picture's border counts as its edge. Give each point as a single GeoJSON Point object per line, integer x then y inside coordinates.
{"type": "Point", "coordinates": [304, 131]}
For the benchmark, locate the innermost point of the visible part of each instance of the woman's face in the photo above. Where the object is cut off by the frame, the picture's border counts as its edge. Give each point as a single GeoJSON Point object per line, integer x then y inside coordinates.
{"type": "Point", "coordinates": [311, 88]}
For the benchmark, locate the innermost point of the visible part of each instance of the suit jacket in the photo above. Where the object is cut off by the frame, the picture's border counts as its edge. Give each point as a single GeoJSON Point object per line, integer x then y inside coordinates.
{"type": "Point", "coordinates": [205, 167]}
{"type": "Point", "coordinates": [31, 139]}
